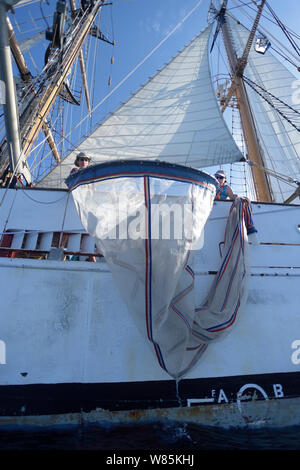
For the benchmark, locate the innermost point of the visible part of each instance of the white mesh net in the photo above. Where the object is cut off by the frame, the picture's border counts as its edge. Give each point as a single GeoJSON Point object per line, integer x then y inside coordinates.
{"type": "Point", "coordinates": [148, 228]}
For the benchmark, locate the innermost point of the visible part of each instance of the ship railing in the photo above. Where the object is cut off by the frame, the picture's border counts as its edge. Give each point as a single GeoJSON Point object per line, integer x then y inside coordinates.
{"type": "Point", "coordinates": [72, 245]}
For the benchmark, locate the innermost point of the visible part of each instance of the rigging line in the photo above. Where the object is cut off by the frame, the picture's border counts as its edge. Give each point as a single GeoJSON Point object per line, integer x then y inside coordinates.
{"type": "Point", "coordinates": [268, 17]}
{"type": "Point", "coordinates": [257, 127]}
{"type": "Point", "coordinates": [262, 29]}
{"type": "Point", "coordinates": [10, 210]}
{"type": "Point", "coordinates": [85, 118]}
{"type": "Point", "coordinates": [43, 202]}
{"type": "Point", "coordinates": [11, 178]}
{"type": "Point", "coordinates": [238, 6]}
{"type": "Point", "coordinates": [44, 18]}
{"type": "Point", "coordinates": [276, 174]}
{"type": "Point", "coordinates": [61, 135]}
{"type": "Point", "coordinates": [62, 120]}
{"type": "Point", "coordinates": [292, 144]}
{"type": "Point", "coordinates": [93, 75]}
{"type": "Point", "coordinates": [138, 65]}
{"type": "Point", "coordinates": [70, 108]}
{"type": "Point", "coordinates": [253, 85]}
{"type": "Point", "coordinates": [44, 140]}
{"type": "Point", "coordinates": [87, 59]}
{"type": "Point", "coordinates": [285, 31]}
{"type": "Point", "coordinates": [225, 63]}
{"type": "Point", "coordinates": [285, 57]}
{"type": "Point", "coordinates": [73, 146]}
{"type": "Point", "coordinates": [65, 214]}
{"type": "Point", "coordinates": [112, 57]}
{"type": "Point", "coordinates": [46, 73]}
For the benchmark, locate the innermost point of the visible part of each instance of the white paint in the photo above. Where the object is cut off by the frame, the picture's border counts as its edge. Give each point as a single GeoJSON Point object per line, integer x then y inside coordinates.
{"type": "Point", "coordinates": [199, 401]}
{"type": "Point", "coordinates": [296, 93]}
{"type": "Point", "coordinates": [255, 386]}
{"type": "Point", "coordinates": [2, 352]}
{"type": "Point", "coordinates": [296, 354]}
{"type": "Point", "coordinates": [243, 389]}
{"type": "Point", "coordinates": [222, 396]}
{"type": "Point", "coordinates": [71, 313]}
{"type": "Point", "coordinates": [278, 390]}
{"type": "Point", "coordinates": [2, 92]}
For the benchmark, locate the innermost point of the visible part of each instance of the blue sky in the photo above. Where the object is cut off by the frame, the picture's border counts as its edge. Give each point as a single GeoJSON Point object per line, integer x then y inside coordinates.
{"type": "Point", "coordinates": [138, 27]}
{"type": "Point", "coordinates": [139, 24]}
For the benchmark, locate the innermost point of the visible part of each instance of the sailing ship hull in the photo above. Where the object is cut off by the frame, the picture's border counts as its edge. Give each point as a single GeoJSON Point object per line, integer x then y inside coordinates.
{"type": "Point", "coordinates": [71, 354]}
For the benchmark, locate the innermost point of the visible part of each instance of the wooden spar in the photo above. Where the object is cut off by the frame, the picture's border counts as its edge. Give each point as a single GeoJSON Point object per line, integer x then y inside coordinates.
{"type": "Point", "coordinates": [81, 62]}
{"type": "Point", "coordinates": [51, 141]}
{"type": "Point", "coordinates": [16, 52]}
{"type": "Point", "coordinates": [51, 92]}
{"type": "Point", "coordinates": [262, 188]}
{"type": "Point", "coordinates": [25, 75]}
{"type": "Point", "coordinates": [84, 80]}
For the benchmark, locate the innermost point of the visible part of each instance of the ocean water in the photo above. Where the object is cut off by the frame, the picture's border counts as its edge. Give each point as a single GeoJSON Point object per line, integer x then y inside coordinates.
{"type": "Point", "coordinates": [155, 436]}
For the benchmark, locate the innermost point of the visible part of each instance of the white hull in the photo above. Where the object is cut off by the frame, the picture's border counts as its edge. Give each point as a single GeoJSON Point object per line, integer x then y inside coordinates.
{"type": "Point", "coordinates": [73, 354]}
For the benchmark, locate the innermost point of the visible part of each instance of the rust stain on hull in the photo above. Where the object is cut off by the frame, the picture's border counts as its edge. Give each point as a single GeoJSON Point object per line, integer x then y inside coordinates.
{"type": "Point", "coordinates": [279, 413]}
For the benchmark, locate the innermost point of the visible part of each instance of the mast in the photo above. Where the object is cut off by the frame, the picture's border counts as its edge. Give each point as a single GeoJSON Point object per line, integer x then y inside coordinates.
{"type": "Point", "coordinates": [81, 62]}
{"type": "Point", "coordinates": [47, 99]}
{"type": "Point", "coordinates": [17, 162]}
{"type": "Point", "coordinates": [26, 76]}
{"type": "Point", "coordinates": [33, 117]}
{"type": "Point", "coordinates": [237, 66]}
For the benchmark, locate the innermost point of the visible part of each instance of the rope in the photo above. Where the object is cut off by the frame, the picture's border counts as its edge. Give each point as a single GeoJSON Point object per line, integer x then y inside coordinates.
{"type": "Point", "coordinates": [280, 176]}
{"type": "Point", "coordinates": [284, 29]}
{"type": "Point", "coordinates": [261, 29]}
{"type": "Point", "coordinates": [267, 96]}
{"type": "Point", "coordinates": [135, 68]}
{"type": "Point", "coordinates": [12, 204]}
{"type": "Point", "coordinates": [44, 202]}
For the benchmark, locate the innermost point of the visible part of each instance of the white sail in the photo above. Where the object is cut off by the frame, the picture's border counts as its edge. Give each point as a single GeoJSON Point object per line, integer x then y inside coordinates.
{"type": "Point", "coordinates": [279, 140]}
{"type": "Point", "coordinates": [175, 117]}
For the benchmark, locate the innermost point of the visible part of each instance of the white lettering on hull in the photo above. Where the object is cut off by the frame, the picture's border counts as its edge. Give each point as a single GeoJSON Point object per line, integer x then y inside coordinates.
{"type": "Point", "coordinates": [221, 396]}
{"type": "Point", "coordinates": [295, 358]}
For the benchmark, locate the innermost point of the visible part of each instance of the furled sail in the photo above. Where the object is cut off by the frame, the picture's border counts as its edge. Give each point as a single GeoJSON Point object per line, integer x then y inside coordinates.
{"type": "Point", "coordinates": [175, 117]}
{"type": "Point", "coordinates": [279, 140]}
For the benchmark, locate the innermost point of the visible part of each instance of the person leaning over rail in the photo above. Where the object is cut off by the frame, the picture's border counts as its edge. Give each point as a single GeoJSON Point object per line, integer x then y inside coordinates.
{"type": "Point", "coordinates": [81, 161]}
{"type": "Point", "coordinates": [224, 191]}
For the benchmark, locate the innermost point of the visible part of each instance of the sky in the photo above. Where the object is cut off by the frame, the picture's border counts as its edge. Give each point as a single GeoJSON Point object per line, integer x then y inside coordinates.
{"type": "Point", "coordinates": [139, 26]}
{"type": "Point", "coordinates": [147, 35]}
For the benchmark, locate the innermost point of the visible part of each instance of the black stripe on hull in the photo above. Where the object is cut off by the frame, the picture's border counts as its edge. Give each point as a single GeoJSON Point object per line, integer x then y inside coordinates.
{"type": "Point", "coordinates": [50, 399]}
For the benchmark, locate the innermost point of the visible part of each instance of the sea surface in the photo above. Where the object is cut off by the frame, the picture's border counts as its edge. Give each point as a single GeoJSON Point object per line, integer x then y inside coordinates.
{"type": "Point", "coordinates": [155, 436]}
